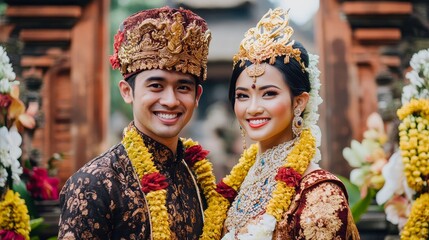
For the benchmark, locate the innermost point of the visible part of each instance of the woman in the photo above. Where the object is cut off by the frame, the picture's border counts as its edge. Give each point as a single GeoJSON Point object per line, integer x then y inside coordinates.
{"type": "Point", "coordinates": [282, 192]}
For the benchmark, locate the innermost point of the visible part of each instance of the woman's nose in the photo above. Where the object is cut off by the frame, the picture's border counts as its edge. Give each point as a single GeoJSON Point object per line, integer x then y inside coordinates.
{"type": "Point", "coordinates": [254, 108]}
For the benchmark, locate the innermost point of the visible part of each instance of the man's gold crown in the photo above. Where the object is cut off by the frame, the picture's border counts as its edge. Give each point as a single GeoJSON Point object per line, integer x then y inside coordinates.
{"type": "Point", "coordinates": [269, 39]}
{"type": "Point", "coordinates": [164, 38]}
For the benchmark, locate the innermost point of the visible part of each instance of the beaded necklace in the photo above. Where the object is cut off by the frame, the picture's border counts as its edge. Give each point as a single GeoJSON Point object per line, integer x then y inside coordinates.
{"type": "Point", "coordinates": [287, 178]}
{"type": "Point", "coordinates": [153, 183]}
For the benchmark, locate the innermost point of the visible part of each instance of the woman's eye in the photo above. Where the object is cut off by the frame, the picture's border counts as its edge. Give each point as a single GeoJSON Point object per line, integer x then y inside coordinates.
{"type": "Point", "coordinates": [270, 93]}
{"type": "Point", "coordinates": [240, 96]}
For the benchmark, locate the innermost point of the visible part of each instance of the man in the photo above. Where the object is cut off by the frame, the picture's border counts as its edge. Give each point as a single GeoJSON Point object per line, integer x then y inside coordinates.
{"type": "Point", "coordinates": [152, 185]}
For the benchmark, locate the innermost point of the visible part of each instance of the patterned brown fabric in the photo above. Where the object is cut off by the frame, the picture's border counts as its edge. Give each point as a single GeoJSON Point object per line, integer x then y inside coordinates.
{"type": "Point", "coordinates": [319, 211]}
{"type": "Point", "coordinates": [103, 199]}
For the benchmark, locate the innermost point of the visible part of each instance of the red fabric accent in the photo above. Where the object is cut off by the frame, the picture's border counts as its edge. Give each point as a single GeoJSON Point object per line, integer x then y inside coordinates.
{"type": "Point", "coordinates": [153, 181]}
{"type": "Point", "coordinates": [226, 191]}
{"type": "Point", "coordinates": [188, 17]}
{"type": "Point", "coordinates": [9, 235]}
{"type": "Point", "coordinates": [194, 154]}
{"type": "Point", "coordinates": [288, 175]}
{"type": "Point", "coordinates": [114, 59]}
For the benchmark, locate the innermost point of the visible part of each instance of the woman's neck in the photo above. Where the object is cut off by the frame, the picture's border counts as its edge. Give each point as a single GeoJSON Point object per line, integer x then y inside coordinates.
{"type": "Point", "coordinates": [266, 145]}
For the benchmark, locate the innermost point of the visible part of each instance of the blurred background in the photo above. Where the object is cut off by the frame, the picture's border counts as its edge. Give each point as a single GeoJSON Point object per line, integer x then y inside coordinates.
{"type": "Point", "coordinates": [59, 50]}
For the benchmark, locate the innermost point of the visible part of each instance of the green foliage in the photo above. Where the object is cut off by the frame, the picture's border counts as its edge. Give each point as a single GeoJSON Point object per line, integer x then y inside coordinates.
{"type": "Point", "coordinates": [358, 205]}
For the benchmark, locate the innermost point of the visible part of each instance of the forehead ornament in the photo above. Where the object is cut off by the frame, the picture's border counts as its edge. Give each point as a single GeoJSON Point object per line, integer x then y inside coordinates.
{"type": "Point", "coordinates": [255, 71]}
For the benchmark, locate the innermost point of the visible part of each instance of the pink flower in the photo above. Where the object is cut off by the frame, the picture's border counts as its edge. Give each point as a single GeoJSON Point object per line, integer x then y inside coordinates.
{"type": "Point", "coordinates": [153, 181]}
{"type": "Point", "coordinates": [41, 186]}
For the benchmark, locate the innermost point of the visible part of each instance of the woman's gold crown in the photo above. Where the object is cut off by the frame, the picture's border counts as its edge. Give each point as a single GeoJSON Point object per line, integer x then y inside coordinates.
{"type": "Point", "coordinates": [269, 39]}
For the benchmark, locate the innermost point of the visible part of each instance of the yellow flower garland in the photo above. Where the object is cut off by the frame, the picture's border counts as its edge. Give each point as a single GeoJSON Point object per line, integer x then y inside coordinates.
{"type": "Point", "coordinates": [142, 161]}
{"type": "Point", "coordinates": [414, 142]}
{"type": "Point", "coordinates": [417, 226]}
{"type": "Point", "coordinates": [14, 214]}
{"type": "Point", "coordinates": [414, 145]}
{"type": "Point", "coordinates": [298, 159]}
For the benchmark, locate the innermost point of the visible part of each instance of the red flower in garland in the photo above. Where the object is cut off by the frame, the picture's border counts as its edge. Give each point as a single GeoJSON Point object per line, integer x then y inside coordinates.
{"type": "Point", "coordinates": [226, 191]}
{"type": "Point", "coordinates": [194, 154]}
{"type": "Point", "coordinates": [8, 234]}
{"type": "Point", "coordinates": [289, 176]}
{"type": "Point", "coordinates": [153, 181]}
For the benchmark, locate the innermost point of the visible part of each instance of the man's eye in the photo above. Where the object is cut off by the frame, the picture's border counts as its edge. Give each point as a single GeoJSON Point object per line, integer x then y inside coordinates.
{"type": "Point", "coordinates": [155, 85]}
{"type": "Point", "coordinates": [185, 87]}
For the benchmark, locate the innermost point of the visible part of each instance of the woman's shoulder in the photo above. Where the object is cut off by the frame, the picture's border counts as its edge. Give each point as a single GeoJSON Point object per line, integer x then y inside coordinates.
{"type": "Point", "coordinates": [320, 177]}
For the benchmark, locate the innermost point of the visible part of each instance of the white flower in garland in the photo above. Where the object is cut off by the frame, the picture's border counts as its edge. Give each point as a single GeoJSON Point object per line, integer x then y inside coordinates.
{"type": "Point", "coordinates": [311, 115]}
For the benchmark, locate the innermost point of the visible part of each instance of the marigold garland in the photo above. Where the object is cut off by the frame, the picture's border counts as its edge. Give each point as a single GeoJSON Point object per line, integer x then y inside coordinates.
{"type": "Point", "coordinates": [417, 226]}
{"type": "Point", "coordinates": [414, 145]}
{"type": "Point", "coordinates": [14, 215]}
{"type": "Point", "coordinates": [142, 161]}
{"type": "Point", "coordinates": [298, 160]}
{"type": "Point", "coordinates": [414, 142]}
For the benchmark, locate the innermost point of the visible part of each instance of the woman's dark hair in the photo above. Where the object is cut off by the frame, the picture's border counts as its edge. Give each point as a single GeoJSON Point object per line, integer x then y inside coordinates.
{"type": "Point", "coordinates": [293, 74]}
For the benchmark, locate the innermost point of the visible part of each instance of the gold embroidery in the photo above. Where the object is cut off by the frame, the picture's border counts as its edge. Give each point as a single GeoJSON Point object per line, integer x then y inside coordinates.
{"type": "Point", "coordinates": [164, 43]}
{"type": "Point", "coordinates": [319, 219]}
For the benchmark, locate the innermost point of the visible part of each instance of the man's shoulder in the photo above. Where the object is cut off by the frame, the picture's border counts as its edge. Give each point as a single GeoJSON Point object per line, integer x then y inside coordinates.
{"type": "Point", "coordinates": [105, 162]}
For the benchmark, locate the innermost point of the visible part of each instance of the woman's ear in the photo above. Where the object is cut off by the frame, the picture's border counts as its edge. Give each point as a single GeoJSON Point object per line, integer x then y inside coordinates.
{"type": "Point", "coordinates": [126, 91]}
{"type": "Point", "coordinates": [301, 101]}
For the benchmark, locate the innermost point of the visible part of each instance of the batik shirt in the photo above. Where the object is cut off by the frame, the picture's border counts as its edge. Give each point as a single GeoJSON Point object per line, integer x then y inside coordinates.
{"type": "Point", "coordinates": [103, 199]}
{"type": "Point", "coordinates": [319, 211]}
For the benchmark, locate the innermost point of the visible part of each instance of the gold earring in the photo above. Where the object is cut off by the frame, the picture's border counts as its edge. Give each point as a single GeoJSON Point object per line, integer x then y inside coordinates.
{"type": "Point", "coordinates": [297, 122]}
{"type": "Point", "coordinates": [243, 137]}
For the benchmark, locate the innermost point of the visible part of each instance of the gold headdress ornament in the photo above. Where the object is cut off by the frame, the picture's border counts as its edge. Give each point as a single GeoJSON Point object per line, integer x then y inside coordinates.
{"type": "Point", "coordinates": [163, 38]}
{"type": "Point", "coordinates": [269, 39]}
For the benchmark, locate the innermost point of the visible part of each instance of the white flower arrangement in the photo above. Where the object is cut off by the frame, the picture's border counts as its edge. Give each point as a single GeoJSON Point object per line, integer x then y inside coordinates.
{"type": "Point", "coordinates": [10, 139]}
{"type": "Point", "coordinates": [418, 76]}
{"type": "Point", "coordinates": [311, 115]}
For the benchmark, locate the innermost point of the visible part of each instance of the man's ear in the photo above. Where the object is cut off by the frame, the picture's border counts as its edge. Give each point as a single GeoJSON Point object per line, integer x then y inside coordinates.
{"type": "Point", "coordinates": [199, 93]}
{"type": "Point", "coordinates": [301, 101]}
{"type": "Point", "coordinates": [126, 91]}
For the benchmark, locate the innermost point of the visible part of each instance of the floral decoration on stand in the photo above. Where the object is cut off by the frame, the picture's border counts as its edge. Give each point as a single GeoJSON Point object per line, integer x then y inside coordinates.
{"type": "Point", "coordinates": [410, 167]}
{"type": "Point", "coordinates": [368, 157]}
{"type": "Point", "coordinates": [14, 218]}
